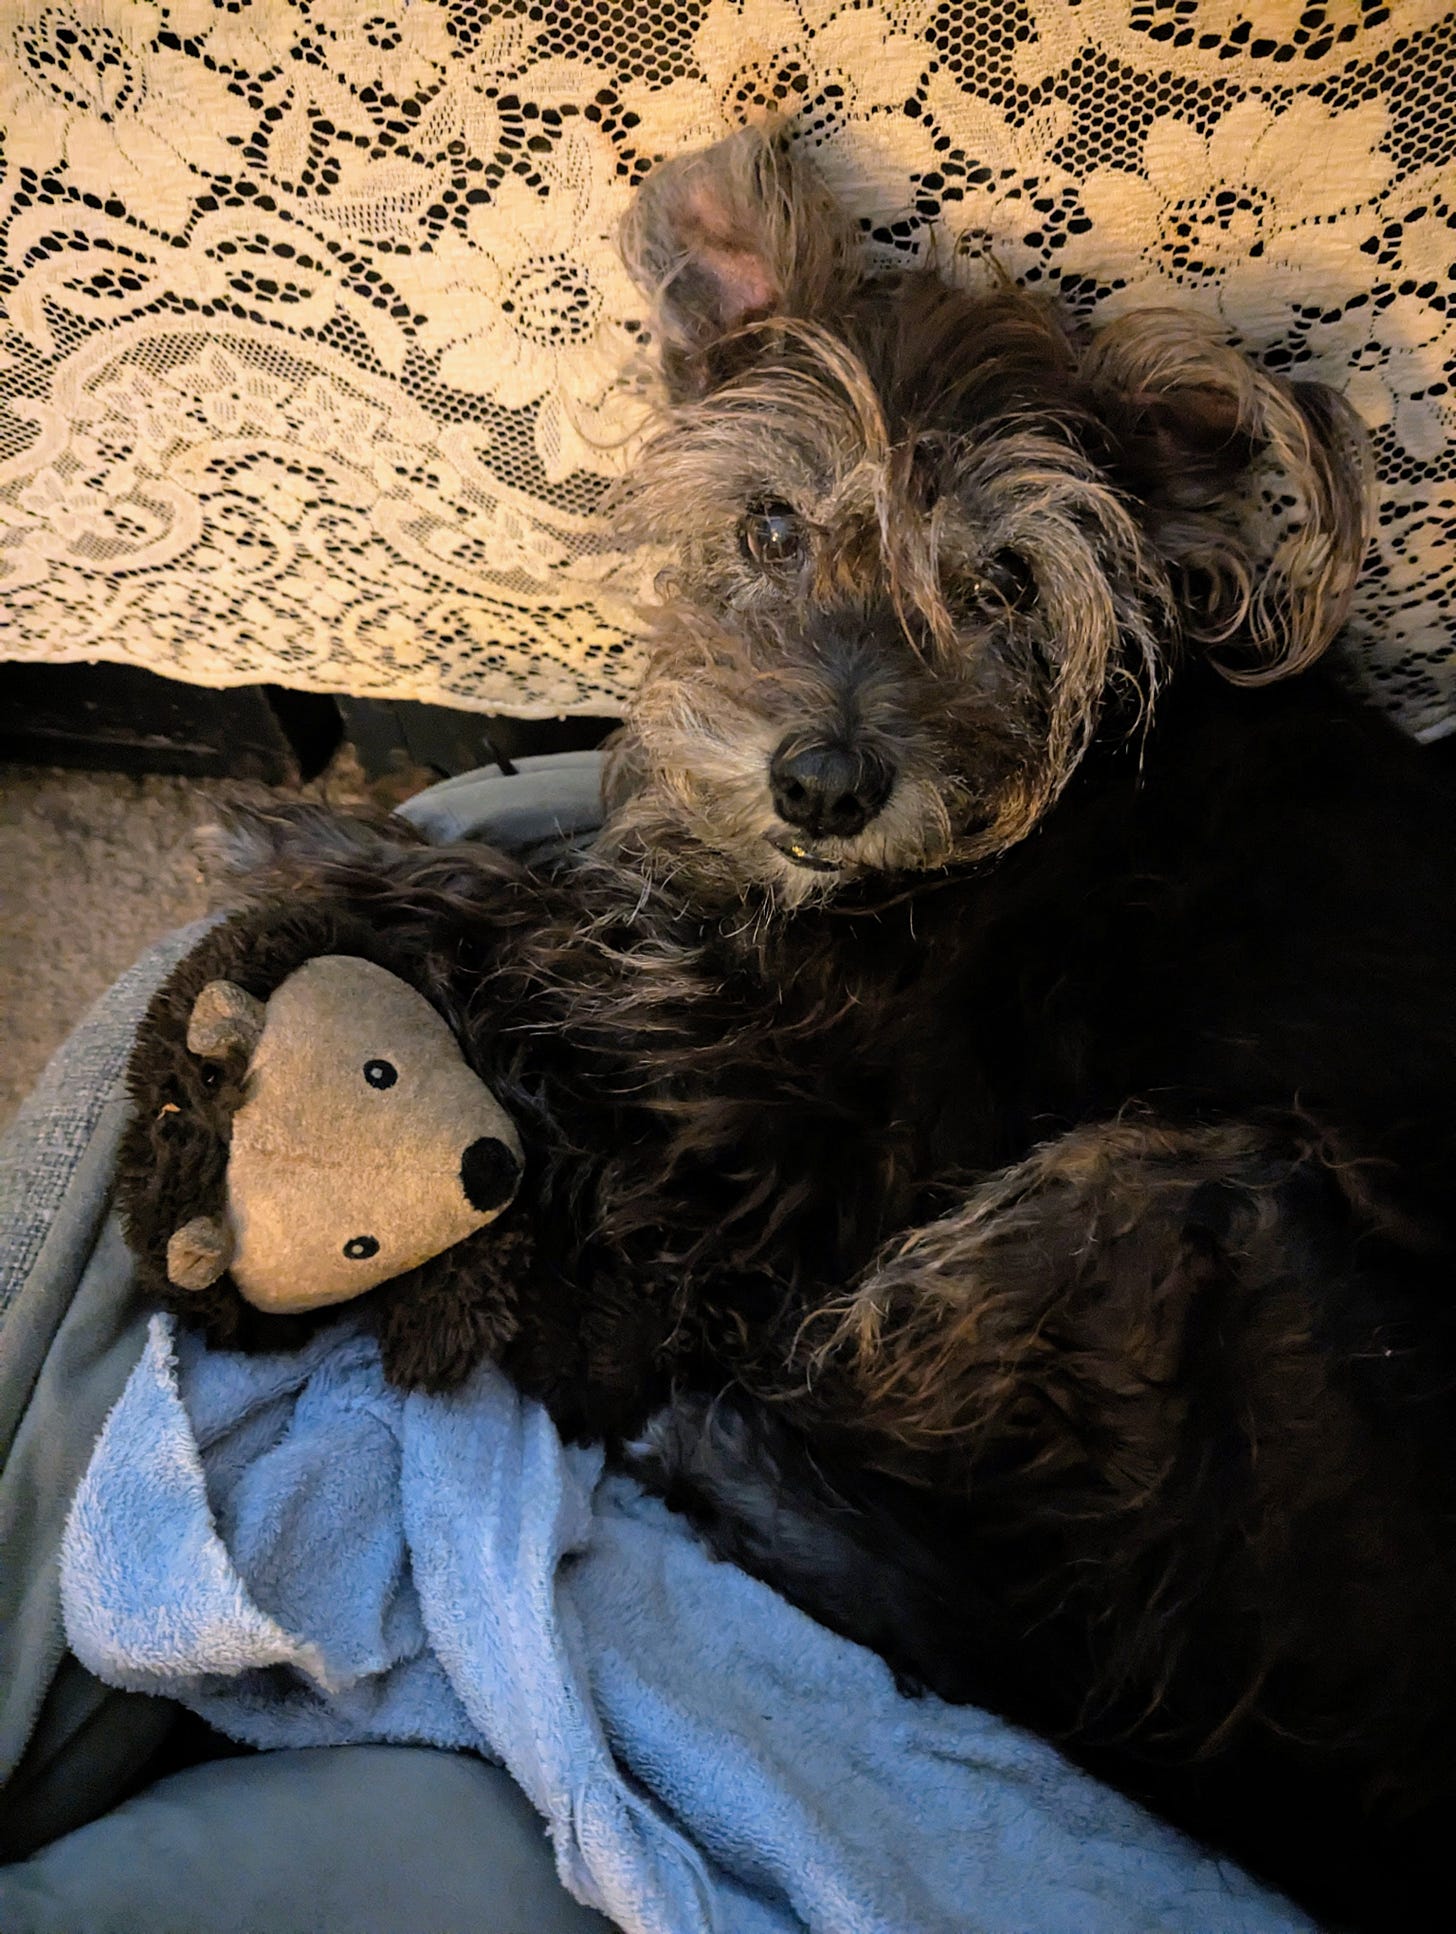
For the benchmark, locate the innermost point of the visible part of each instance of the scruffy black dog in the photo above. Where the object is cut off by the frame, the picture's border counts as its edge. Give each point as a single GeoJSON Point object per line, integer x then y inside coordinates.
{"type": "Point", "coordinates": [992, 1089]}
{"type": "Point", "coordinates": [1118, 972]}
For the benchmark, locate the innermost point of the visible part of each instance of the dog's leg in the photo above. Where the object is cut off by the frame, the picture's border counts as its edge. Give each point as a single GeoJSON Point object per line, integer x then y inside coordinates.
{"type": "Point", "coordinates": [1067, 1357]}
{"type": "Point", "coordinates": [1079, 1306]}
{"type": "Point", "coordinates": [1193, 1373]}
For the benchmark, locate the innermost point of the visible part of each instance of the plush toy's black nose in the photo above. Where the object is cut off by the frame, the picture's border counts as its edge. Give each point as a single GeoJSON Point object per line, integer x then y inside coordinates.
{"type": "Point", "coordinates": [828, 790]}
{"type": "Point", "coordinates": [489, 1173]}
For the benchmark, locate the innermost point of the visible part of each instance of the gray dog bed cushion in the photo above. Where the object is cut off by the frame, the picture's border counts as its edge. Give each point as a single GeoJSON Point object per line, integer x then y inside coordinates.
{"type": "Point", "coordinates": [368, 1839]}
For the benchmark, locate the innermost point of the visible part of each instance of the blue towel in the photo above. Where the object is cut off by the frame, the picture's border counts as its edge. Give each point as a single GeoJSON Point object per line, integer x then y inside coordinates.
{"type": "Point", "coordinates": [305, 1556]}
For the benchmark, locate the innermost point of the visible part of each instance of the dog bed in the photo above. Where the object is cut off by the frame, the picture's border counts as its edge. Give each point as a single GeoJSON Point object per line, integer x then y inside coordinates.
{"type": "Point", "coordinates": [703, 1756]}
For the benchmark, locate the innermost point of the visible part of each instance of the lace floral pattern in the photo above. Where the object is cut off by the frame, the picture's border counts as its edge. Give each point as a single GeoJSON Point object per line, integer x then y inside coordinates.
{"type": "Point", "coordinates": [315, 353]}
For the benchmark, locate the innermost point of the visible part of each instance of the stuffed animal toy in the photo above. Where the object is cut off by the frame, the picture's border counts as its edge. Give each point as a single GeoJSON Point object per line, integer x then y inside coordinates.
{"type": "Point", "coordinates": [307, 1132]}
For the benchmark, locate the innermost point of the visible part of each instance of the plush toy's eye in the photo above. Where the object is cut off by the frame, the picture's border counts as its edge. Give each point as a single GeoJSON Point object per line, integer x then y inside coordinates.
{"type": "Point", "coordinates": [361, 1248]}
{"type": "Point", "coordinates": [771, 534]}
{"type": "Point", "coordinates": [380, 1074]}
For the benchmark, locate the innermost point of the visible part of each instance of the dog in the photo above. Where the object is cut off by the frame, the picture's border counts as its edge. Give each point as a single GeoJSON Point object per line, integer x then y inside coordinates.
{"type": "Point", "coordinates": [988, 1092]}
{"type": "Point", "coordinates": [1111, 950]}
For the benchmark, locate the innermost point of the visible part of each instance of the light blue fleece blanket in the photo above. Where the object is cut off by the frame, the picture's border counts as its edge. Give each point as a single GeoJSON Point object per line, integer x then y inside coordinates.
{"type": "Point", "coordinates": [304, 1556]}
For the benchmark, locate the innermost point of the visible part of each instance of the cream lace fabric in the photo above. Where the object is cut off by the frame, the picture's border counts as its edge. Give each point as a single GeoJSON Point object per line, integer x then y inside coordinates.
{"type": "Point", "coordinates": [314, 337]}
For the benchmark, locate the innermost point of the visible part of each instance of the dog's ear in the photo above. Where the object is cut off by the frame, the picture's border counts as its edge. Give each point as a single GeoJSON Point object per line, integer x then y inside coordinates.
{"type": "Point", "coordinates": [1256, 492]}
{"type": "Point", "coordinates": [725, 237]}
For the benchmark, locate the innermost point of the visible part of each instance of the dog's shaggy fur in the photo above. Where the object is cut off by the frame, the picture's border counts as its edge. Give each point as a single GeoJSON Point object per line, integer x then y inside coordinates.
{"type": "Point", "coordinates": [993, 1086]}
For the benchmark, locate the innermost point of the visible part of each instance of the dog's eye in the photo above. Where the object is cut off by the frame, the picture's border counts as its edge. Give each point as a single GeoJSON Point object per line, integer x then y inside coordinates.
{"type": "Point", "coordinates": [1005, 582]}
{"type": "Point", "coordinates": [380, 1074]}
{"type": "Point", "coordinates": [361, 1248]}
{"type": "Point", "coordinates": [771, 534]}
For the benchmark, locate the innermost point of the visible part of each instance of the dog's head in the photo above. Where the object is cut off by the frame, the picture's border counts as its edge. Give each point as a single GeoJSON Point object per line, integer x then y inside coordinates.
{"type": "Point", "coordinates": [925, 545]}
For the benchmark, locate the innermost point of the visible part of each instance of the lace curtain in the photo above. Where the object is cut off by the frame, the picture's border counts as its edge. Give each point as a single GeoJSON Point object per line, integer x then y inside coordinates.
{"type": "Point", "coordinates": [314, 339]}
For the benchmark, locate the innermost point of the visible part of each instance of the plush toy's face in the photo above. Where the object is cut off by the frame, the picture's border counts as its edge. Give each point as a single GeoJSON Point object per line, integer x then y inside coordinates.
{"type": "Point", "coordinates": [364, 1147]}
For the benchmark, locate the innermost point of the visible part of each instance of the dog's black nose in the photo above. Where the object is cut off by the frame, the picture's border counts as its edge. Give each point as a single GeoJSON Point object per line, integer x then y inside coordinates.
{"type": "Point", "coordinates": [828, 791]}
{"type": "Point", "coordinates": [489, 1173]}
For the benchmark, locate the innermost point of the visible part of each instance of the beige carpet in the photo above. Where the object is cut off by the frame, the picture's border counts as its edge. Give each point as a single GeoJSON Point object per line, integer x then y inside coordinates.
{"type": "Point", "coordinates": [93, 868]}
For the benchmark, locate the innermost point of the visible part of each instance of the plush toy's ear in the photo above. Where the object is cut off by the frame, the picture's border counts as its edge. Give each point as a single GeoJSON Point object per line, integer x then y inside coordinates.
{"type": "Point", "coordinates": [726, 236]}
{"type": "Point", "coordinates": [225, 1018]}
{"type": "Point", "coordinates": [1198, 432]}
{"type": "Point", "coordinates": [199, 1252]}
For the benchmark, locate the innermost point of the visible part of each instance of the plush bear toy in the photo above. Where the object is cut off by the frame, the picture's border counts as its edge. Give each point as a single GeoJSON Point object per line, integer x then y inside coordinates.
{"type": "Point", "coordinates": [307, 1131]}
